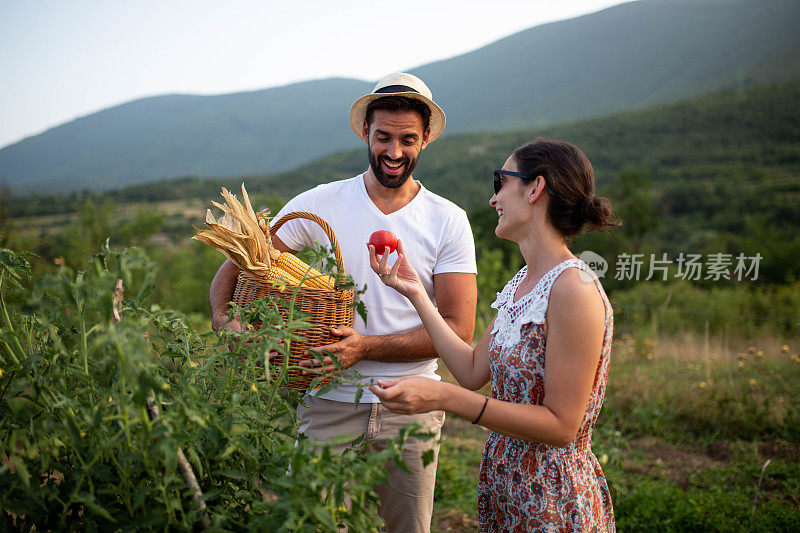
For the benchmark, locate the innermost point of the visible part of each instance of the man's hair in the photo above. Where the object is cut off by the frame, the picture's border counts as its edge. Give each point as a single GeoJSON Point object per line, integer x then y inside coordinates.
{"type": "Point", "coordinates": [400, 104]}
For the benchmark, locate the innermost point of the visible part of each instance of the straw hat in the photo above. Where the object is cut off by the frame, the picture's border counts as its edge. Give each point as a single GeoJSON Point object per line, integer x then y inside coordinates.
{"type": "Point", "coordinates": [398, 84]}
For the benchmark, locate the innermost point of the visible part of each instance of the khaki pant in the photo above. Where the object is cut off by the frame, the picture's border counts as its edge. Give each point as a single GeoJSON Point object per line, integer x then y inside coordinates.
{"type": "Point", "coordinates": [407, 499]}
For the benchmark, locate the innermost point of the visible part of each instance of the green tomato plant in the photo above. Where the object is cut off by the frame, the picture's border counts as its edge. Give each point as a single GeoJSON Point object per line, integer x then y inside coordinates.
{"type": "Point", "coordinates": [107, 401]}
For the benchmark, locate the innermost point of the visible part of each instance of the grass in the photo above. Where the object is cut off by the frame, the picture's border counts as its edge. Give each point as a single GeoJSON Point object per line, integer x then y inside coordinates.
{"type": "Point", "coordinates": [687, 425]}
{"type": "Point", "coordinates": [188, 211]}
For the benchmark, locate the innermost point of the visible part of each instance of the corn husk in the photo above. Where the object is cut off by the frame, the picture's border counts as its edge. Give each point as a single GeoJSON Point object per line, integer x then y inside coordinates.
{"type": "Point", "coordinates": [241, 234]}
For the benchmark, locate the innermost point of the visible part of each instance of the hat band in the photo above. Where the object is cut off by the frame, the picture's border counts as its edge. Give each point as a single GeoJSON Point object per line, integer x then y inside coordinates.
{"type": "Point", "coordinates": [396, 89]}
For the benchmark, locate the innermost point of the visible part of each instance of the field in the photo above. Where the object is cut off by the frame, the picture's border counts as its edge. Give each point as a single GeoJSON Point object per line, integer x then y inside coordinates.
{"type": "Point", "coordinates": [702, 395]}
{"type": "Point", "coordinates": [682, 438]}
{"type": "Point", "coordinates": [696, 403]}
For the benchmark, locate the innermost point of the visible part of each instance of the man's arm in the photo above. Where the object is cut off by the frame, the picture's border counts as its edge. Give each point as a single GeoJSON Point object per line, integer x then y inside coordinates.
{"type": "Point", "coordinates": [221, 291]}
{"type": "Point", "coordinates": [456, 297]}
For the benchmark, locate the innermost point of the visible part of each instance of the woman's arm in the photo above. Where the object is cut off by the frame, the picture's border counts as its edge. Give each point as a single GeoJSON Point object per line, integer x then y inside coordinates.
{"type": "Point", "coordinates": [576, 324]}
{"type": "Point", "coordinates": [469, 366]}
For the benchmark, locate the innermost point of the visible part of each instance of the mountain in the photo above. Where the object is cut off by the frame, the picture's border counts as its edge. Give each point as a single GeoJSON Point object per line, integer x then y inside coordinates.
{"type": "Point", "coordinates": [722, 173]}
{"type": "Point", "coordinates": [179, 135]}
{"type": "Point", "coordinates": [629, 56]}
{"type": "Point", "coordinates": [736, 149]}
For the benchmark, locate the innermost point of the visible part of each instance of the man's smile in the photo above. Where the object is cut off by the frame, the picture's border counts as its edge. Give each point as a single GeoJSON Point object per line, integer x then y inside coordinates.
{"type": "Point", "coordinates": [391, 166]}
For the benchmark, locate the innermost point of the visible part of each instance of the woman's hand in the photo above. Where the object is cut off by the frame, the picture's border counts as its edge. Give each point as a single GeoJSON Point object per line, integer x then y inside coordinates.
{"type": "Point", "coordinates": [410, 395]}
{"type": "Point", "coordinates": [401, 276]}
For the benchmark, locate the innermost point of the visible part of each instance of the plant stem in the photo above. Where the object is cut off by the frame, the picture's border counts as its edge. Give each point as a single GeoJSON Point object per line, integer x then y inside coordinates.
{"type": "Point", "coordinates": [9, 325]}
{"type": "Point", "coordinates": [10, 379]}
{"type": "Point", "coordinates": [276, 383]}
{"type": "Point", "coordinates": [758, 487]}
{"type": "Point", "coordinates": [185, 468]}
{"type": "Point", "coordinates": [84, 347]}
{"type": "Point", "coordinates": [11, 353]}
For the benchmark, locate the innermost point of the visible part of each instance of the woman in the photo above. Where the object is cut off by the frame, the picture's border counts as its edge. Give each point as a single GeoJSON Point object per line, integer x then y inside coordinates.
{"type": "Point", "coordinates": [546, 351]}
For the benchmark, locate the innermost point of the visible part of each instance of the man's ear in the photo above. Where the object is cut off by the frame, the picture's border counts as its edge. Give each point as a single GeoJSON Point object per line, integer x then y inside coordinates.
{"type": "Point", "coordinates": [365, 132]}
{"type": "Point", "coordinates": [425, 137]}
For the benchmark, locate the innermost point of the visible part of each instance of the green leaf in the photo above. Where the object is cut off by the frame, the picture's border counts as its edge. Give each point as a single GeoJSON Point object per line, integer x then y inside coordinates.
{"type": "Point", "coordinates": [22, 471]}
{"type": "Point", "coordinates": [362, 311]}
{"type": "Point", "coordinates": [427, 457]}
{"type": "Point", "coordinates": [323, 516]}
{"type": "Point", "coordinates": [233, 474]}
{"type": "Point", "coordinates": [228, 451]}
{"type": "Point", "coordinates": [100, 510]}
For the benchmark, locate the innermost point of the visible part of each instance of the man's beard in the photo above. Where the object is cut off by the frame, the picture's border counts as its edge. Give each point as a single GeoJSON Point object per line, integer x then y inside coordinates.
{"type": "Point", "coordinates": [391, 182]}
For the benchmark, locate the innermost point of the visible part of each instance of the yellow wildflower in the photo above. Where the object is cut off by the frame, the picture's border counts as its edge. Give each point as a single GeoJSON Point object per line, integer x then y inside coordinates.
{"type": "Point", "coordinates": [253, 387]}
{"type": "Point", "coordinates": [702, 384]}
{"type": "Point", "coordinates": [165, 386]}
{"type": "Point", "coordinates": [785, 348]}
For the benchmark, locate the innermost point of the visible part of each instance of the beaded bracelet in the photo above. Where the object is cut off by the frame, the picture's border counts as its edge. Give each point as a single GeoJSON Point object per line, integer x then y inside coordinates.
{"type": "Point", "coordinates": [486, 401]}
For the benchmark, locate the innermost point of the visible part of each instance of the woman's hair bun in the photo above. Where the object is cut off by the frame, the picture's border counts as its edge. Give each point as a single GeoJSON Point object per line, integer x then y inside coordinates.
{"type": "Point", "coordinates": [596, 211]}
{"type": "Point", "coordinates": [569, 176]}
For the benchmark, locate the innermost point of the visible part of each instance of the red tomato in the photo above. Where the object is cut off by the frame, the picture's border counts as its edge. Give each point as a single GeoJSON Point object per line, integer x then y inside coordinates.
{"type": "Point", "coordinates": [381, 239]}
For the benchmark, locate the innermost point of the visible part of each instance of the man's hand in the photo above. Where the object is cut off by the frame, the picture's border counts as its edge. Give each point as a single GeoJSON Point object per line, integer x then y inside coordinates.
{"type": "Point", "coordinates": [220, 321]}
{"type": "Point", "coordinates": [351, 349]}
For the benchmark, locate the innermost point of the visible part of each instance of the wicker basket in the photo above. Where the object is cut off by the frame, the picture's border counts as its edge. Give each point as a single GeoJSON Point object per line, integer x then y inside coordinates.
{"type": "Point", "coordinates": [325, 308]}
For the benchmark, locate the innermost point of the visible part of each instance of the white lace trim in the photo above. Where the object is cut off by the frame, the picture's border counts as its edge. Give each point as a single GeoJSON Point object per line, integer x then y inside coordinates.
{"type": "Point", "coordinates": [530, 308]}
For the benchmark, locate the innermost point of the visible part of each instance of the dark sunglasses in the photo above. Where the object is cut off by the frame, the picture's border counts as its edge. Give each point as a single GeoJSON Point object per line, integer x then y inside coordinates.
{"type": "Point", "coordinates": [498, 178]}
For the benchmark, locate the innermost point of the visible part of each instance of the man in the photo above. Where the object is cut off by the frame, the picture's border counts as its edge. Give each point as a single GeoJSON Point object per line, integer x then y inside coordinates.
{"type": "Point", "coordinates": [397, 121]}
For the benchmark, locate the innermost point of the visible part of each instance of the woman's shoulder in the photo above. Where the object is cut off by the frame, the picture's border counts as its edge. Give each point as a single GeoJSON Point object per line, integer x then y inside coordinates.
{"type": "Point", "coordinates": [575, 293]}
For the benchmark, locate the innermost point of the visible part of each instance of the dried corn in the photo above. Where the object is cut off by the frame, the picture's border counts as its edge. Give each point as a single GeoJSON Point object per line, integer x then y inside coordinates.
{"type": "Point", "coordinates": [297, 268]}
{"type": "Point", "coordinates": [275, 273]}
{"type": "Point", "coordinates": [243, 236]}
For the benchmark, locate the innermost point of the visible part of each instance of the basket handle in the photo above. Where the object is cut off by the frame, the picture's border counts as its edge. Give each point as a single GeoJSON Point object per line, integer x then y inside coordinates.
{"type": "Point", "coordinates": [337, 251]}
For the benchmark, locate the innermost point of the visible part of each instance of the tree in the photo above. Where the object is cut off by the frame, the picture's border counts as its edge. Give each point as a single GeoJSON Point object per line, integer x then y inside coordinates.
{"type": "Point", "coordinates": [635, 206]}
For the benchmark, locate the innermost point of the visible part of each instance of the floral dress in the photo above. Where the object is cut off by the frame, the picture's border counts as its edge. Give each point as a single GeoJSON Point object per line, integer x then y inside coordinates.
{"type": "Point", "coordinates": [530, 486]}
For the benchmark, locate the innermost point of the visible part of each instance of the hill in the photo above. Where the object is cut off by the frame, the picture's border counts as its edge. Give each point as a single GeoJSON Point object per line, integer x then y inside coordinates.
{"type": "Point", "coordinates": [629, 56]}
{"type": "Point", "coordinates": [721, 173]}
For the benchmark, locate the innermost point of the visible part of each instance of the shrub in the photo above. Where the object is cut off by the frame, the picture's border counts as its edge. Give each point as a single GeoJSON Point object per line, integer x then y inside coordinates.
{"type": "Point", "coordinates": [81, 447]}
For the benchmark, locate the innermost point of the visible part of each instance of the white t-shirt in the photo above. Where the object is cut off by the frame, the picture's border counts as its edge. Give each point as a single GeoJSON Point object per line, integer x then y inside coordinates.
{"type": "Point", "coordinates": [436, 237]}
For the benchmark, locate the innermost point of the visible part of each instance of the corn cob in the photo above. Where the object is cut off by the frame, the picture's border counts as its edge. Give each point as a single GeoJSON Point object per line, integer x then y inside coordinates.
{"type": "Point", "coordinates": [297, 268]}
{"type": "Point", "coordinates": [275, 273]}
{"type": "Point", "coordinates": [243, 236]}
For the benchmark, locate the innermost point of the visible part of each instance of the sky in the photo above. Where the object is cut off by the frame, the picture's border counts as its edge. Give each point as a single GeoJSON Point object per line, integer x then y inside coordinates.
{"type": "Point", "coordinates": [61, 59]}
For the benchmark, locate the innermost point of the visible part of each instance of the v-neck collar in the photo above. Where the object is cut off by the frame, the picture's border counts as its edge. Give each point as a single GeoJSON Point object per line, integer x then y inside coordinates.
{"type": "Point", "coordinates": [363, 187]}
